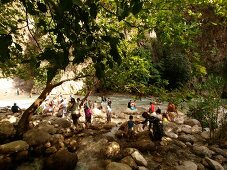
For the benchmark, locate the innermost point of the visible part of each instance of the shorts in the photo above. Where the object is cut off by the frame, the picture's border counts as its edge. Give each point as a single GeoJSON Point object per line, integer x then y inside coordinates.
{"type": "Point", "coordinates": [88, 119]}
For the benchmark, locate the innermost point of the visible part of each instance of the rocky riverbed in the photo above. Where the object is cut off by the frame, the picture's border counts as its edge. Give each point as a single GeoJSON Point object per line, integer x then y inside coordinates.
{"type": "Point", "coordinates": [54, 143]}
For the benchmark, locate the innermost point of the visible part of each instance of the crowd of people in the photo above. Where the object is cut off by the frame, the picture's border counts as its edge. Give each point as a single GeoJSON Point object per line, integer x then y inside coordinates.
{"type": "Point", "coordinates": [73, 108]}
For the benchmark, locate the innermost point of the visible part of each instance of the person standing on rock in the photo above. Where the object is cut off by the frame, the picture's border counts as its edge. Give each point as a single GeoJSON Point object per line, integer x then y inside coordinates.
{"type": "Point", "coordinates": [171, 111]}
{"type": "Point", "coordinates": [88, 113]}
{"type": "Point", "coordinates": [130, 131]}
{"type": "Point", "coordinates": [108, 114]}
{"type": "Point", "coordinates": [152, 107]}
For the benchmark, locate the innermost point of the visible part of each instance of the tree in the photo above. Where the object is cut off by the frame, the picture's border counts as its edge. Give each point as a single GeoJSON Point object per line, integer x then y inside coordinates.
{"type": "Point", "coordinates": [63, 33]}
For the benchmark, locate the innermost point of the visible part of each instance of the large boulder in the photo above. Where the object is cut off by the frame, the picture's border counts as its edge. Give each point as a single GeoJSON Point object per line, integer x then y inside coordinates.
{"type": "Point", "coordinates": [143, 145]}
{"type": "Point", "coordinates": [202, 151]}
{"type": "Point", "coordinates": [187, 138]}
{"type": "Point", "coordinates": [186, 129]}
{"type": "Point", "coordinates": [13, 147]}
{"type": "Point", "coordinates": [7, 130]}
{"type": "Point", "coordinates": [46, 127]}
{"type": "Point", "coordinates": [61, 122]}
{"type": "Point", "coordinates": [205, 135]}
{"type": "Point", "coordinates": [214, 164]}
{"type": "Point", "coordinates": [187, 165]}
{"type": "Point", "coordinates": [111, 150]}
{"type": "Point", "coordinates": [118, 166]}
{"type": "Point", "coordinates": [36, 137]}
{"type": "Point", "coordinates": [129, 161]}
{"type": "Point", "coordinates": [139, 159]}
{"type": "Point", "coordinates": [192, 122]}
{"type": "Point", "coordinates": [61, 160]}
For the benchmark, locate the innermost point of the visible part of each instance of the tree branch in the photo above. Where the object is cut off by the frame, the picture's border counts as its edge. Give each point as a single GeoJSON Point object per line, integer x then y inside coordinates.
{"type": "Point", "coordinates": [30, 29]}
{"type": "Point", "coordinates": [75, 78]}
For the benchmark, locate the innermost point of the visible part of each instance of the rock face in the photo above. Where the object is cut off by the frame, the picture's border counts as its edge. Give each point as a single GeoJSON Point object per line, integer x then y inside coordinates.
{"type": "Point", "coordinates": [192, 122]}
{"type": "Point", "coordinates": [118, 166]}
{"type": "Point", "coordinates": [129, 161]}
{"type": "Point", "coordinates": [13, 147]}
{"type": "Point", "coordinates": [61, 160]}
{"type": "Point", "coordinates": [202, 151]}
{"type": "Point", "coordinates": [36, 137]}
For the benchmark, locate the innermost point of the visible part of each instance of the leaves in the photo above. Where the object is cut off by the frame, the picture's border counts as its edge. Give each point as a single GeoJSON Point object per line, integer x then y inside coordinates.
{"type": "Point", "coordinates": [5, 41]}
{"type": "Point", "coordinates": [42, 7]}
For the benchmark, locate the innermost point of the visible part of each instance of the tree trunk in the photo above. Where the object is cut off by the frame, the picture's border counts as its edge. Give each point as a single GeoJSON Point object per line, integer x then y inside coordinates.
{"type": "Point", "coordinates": [23, 124]}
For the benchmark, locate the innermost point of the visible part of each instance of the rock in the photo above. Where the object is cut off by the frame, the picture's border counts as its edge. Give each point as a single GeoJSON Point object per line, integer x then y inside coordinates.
{"type": "Point", "coordinates": [202, 151]}
{"type": "Point", "coordinates": [7, 130]}
{"type": "Point", "coordinates": [143, 145]}
{"type": "Point", "coordinates": [36, 137]}
{"type": "Point", "coordinates": [192, 122]}
{"type": "Point", "coordinates": [214, 164]}
{"type": "Point", "coordinates": [139, 159]}
{"type": "Point", "coordinates": [205, 135]}
{"type": "Point", "coordinates": [187, 138]}
{"type": "Point", "coordinates": [196, 129]}
{"type": "Point", "coordinates": [111, 150]}
{"type": "Point", "coordinates": [187, 165]}
{"type": "Point", "coordinates": [186, 129]}
{"type": "Point", "coordinates": [51, 150]}
{"type": "Point", "coordinates": [61, 122]}
{"type": "Point", "coordinates": [118, 166]}
{"type": "Point", "coordinates": [47, 128]}
{"type": "Point", "coordinates": [62, 159]}
{"type": "Point", "coordinates": [120, 134]}
{"type": "Point", "coordinates": [5, 163]}
{"type": "Point", "coordinates": [180, 144]}
{"type": "Point", "coordinates": [142, 168]}
{"type": "Point", "coordinates": [130, 112]}
{"type": "Point", "coordinates": [171, 135]}
{"type": "Point", "coordinates": [129, 161]}
{"type": "Point", "coordinates": [13, 147]}
{"type": "Point", "coordinates": [21, 156]}
{"type": "Point", "coordinates": [219, 158]}
{"type": "Point", "coordinates": [219, 151]}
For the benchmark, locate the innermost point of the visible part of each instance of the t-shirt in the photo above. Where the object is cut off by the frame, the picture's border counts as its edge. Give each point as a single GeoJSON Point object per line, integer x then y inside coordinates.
{"type": "Point", "coordinates": [130, 124]}
{"type": "Point", "coordinates": [15, 109]}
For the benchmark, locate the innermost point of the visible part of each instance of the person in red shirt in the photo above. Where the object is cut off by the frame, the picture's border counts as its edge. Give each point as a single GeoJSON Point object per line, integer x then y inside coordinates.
{"type": "Point", "coordinates": [152, 107]}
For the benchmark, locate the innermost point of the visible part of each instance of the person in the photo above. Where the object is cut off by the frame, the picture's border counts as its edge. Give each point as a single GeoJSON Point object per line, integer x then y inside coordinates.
{"type": "Point", "coordinates": [75, 112]}
{"type": "Point", "coordinates": [15, 108]}
{"type": "Point", "coordinates": [129, 104]}
{"type": "Point", "coordinates": [130, 131]}
{"type": "Point", "coordinates": [108, 114]}
{"type": "Point", "coordinates": [18, 91]}
{"type": "Point", "coordinates": [158, 111]}
{"type": "Point", "coordinates": [171, 111]}
{"type": "Point", "coordinates": [157, 128]}
{"type": "Point", "coordinates": [109, 102]}
{"type": "Point", "coordinates": [133, 105]}
{"type": "Point", "coordinates": [152, 107]}
{"type": "Point", "coordinates": [88, 113]}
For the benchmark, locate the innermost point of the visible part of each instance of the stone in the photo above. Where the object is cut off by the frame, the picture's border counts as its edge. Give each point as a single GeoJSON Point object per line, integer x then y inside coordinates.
{"type": "Point", "coordinates": [13, 147]}
{"type": "Point", "coordinates": [7, 130]}
{"type": "Point", "coordinates": [6, 163]}
{"type": "Point", "coordinates": [142, 168]}
{"type": "Point", "coordinates": [196, 129]}
{"type": "Point", "coordinates": [171, 135]}
{"type": "Point", "coordinates": [219, 158]}
{"type": "Point", "coordinates": [205, 135]}
{"type": "Point", "coordinates": [202, 151]}
{"type": "Point", "coordinates": [219, 151]}
{"type": "Point", "coordinates": [118, 166]}
{"type": "Point", "coordinates": [139, 159]}
{"type": "Point", "coordinates": [214, 164]}
{"type": "Point", "coordinates": [36, 137]}
{"type": "Point", "coordinates": [180, 144]}
{"type": "Point", "coordinates": [51, 150]}
{"type": "Point", "coordinates": [187, 138]}
{"type": "Point", "coordinates": [21, 156]}
{"type": "Point", "coordinates": [111, 150]}
{"type": "Point", "coordinates": [143, 145]}
{"type": "Point", "coordinates": [63, 159]}
{"type": "Point", "coordinates": [47, 128]}
{"type": "Point", "coordinates": [129, 161]}
{"type": "Point", "coordinates": [192, 122]}
{"type": "Point", "coordinates": [187, 165]}
{"type": "Point", "coordinates": [61, 122]}
{"type": "Point", "coordinates": [186, 129]}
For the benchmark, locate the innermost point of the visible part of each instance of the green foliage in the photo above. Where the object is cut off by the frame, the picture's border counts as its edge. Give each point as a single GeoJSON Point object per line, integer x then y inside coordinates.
{"type": "Point", "coordinates": [177, 70]}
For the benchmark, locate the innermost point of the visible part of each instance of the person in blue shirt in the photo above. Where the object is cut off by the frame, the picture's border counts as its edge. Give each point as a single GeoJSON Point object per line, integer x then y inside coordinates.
{"type": "Point", "coordinates": [131, 133]}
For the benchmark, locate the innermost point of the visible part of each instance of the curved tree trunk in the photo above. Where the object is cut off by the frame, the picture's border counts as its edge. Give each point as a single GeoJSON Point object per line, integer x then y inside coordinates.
{"type": "Point", "coordinates": [23, 124]}
{"type": "Point", "coordinates": [224, 92]}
